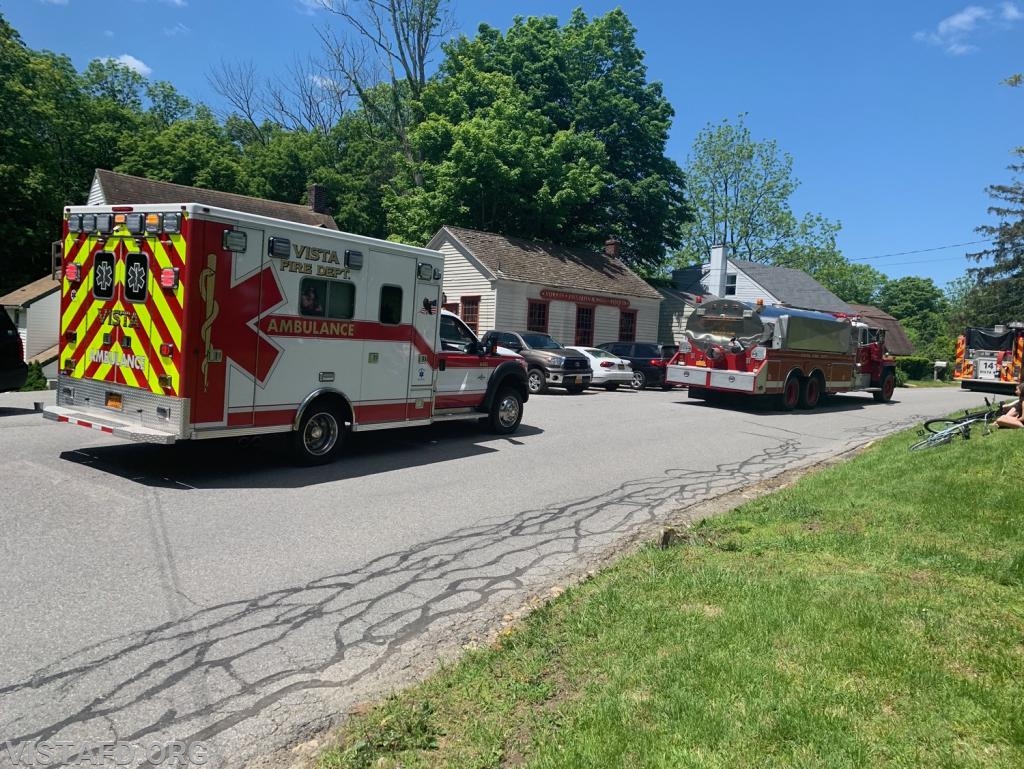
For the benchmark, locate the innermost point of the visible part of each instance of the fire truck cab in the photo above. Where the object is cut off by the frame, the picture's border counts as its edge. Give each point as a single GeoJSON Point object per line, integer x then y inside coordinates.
{"type": "Point", "coordinates": [183, 322]}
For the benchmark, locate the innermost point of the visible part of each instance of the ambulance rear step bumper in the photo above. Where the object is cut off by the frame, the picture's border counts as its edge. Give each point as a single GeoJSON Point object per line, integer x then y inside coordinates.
{"type": "Point", "coordinates": [111, 426]}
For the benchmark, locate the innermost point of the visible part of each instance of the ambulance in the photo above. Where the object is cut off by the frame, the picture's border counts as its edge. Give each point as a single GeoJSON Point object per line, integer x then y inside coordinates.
{"type": "Point", "coordinates": [186, 322]}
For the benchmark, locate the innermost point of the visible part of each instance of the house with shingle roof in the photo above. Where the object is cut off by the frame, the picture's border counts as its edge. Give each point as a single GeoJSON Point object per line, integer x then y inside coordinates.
{"type": "Point", "coordinates": [749, 281]}
{"type": "Point", "coordinates": [35, 310]}
{"type": "Point", "coordinates": [577, 296]}
{"type": "Point", "coordinates": [112, 188]}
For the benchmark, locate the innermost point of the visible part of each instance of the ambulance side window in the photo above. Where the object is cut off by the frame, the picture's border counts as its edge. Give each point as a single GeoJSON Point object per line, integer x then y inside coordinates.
{"type": "Point", "coordinates": [390, 304]}
{"type": "Point", "coordinates": [327, 298]}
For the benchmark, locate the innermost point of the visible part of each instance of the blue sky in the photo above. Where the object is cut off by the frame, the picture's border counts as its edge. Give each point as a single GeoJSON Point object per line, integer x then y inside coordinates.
{"type": "Point", "coordinates": [893, 111]}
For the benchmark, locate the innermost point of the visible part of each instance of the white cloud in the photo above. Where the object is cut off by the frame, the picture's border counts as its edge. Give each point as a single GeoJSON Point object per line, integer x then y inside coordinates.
{"type": "Point", "coordinates": [309, 7]}
{"type": "Point", "coordinates": [176, 3]}
{"type": "Point", "coordinates": [177, 29]}
{"type": "Point", "coordinates": [132, 63]}
{"type": "Point", "coordinates": [1010, 12]}
{"type": "Point", "coordinates": [955, 33]}
{"type": "Point", "coordinates": [53, 2]}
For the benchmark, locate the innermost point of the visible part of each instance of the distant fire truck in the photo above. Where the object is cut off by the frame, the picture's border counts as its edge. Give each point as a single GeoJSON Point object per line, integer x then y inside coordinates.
{"type": "Point", "coordinates": [185, 321]}
{"type": "Point", "coordinates": [990, 358]}
{"type": "Point", "coordinates": [797, 355]}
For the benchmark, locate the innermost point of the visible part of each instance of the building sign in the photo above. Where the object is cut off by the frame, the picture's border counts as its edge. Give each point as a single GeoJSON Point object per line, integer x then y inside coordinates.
{"type": "Point", "coordinates": [568, 296]}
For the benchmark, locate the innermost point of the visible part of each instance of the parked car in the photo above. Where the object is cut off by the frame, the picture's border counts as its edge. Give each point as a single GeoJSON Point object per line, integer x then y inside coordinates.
{"type": "Point", "coordinates": [13, 370]}
{"type": "Point", "coordinates": [548, 363]}
{"type": "Point", "coordinates": [607, 370]}
{"type": "Point", "coordinates": [647, 359]}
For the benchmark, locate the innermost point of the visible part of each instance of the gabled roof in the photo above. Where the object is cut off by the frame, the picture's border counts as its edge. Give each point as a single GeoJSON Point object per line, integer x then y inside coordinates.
{"type": "Point", "coordinates": [896, 341]}
{"type": "Point", "coordinates": [546, 264]}
{"type": "Point", "coordinates": [791, 287]}
{"type": "Point", "coordinates": [33, 292]}
{"type": "Point", "coordinates": [676, 295]}
{"type": "Point", "coordinates": [112, 188]}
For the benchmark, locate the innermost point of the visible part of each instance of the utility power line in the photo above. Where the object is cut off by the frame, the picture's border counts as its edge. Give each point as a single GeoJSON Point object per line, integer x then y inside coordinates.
{"type": "Point", "coordinates": [918, 251]}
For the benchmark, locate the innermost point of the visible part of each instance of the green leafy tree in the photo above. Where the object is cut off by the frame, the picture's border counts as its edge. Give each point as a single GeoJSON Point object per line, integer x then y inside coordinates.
{"type": "Point", "coordinates": [195, 152]}
{"type": "Point", "coordinates": [740, 190]}
{"type": "Point", "coordinates": [922, 309]}
{"type": "Point", "coordinates": [546, 132]}
{"type": "Point", "coordinates": [1000, 283]}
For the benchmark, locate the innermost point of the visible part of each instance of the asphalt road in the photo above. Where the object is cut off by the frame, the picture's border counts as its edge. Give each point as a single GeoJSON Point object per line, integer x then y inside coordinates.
{"type": "Point", "coordinates": [213, 592]}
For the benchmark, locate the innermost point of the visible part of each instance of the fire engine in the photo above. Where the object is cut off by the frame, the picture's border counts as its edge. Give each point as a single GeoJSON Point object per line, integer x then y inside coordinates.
{"type": "Point", "coordinates": [185, 321]}
{"type": "Point", "coordinates": [990, 358]}
{"type": "Point", "coordinates": [798, 355]}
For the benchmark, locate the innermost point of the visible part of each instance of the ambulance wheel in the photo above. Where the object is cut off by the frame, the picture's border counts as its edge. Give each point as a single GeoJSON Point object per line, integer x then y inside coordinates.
{"type": "Point", "coordinates": [888, 386]}
{"type": "Point", "coordinates": [506, 411]}
{"type": "Point", "coordinates": [535, 381]}
{"type": "Point", "coordinates": [320, 435]}
{"type": "Point", "coordinates": [790, 396]}
{"type": "Point", "coordinates": [810, 392]}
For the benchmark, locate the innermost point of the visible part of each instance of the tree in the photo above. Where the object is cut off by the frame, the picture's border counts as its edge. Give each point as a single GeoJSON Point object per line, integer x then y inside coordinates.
{"type": "Point", "coordinates": [740, 191]}
{"type": "Point", "coordinates": [1001, 283]}
{"type": "Point", "coordinates": [549, 133]}
{"type": "Point", "coordinates": [386, 44]}
{"type": "Point", "coordinates": [920, 307]}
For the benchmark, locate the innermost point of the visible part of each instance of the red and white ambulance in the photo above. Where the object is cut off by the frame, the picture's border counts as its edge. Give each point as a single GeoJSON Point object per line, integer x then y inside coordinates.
{"type": "Point", "coordinates": [186, 321]}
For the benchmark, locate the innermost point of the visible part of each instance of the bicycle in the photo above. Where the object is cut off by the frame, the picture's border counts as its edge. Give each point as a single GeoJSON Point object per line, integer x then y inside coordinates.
{"type": "Point", "coordinates": [944, 429]}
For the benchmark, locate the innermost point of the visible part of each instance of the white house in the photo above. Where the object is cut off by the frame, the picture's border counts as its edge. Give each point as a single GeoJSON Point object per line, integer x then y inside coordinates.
{"type": "Point", "coordinates": [35, 310]}
{"type": "Point", "coordinates": [577, 296]}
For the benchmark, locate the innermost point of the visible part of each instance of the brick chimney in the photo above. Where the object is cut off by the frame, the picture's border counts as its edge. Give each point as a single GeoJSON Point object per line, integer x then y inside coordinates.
{"type": "Point", "coordinates": [317, 196]}
{"type": "Point", "coordinates": [611, 247]}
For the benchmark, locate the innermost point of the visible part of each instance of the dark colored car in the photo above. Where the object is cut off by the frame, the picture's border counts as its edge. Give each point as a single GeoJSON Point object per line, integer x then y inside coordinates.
{"type": "Point", "coordinates": [13, 370]}
{"type": "Point", "coordinates": [647, 359]}
{"type": "Point", "coordinates": [548, 363]}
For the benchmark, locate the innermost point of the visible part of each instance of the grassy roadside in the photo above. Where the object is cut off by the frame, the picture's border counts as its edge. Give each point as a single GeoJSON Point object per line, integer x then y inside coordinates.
{"type": "Point", "coordinates": [870, 615]}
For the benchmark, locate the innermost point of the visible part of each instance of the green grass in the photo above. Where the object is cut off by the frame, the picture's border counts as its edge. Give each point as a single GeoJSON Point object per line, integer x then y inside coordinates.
{"type": "Point", "coordinates": [870, 615]}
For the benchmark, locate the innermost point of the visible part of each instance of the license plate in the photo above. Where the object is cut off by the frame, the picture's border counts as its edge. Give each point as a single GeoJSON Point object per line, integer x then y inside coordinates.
{"type": "Point", "coordinates": [987, 368]}
{"type": "Point", "coordinates": [113, 401]}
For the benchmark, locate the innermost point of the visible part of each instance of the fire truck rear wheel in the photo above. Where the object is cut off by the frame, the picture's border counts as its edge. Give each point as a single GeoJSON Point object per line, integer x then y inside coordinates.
{"type": "Point", "coordinates": [810, 392]}
{"type": "Point", "coordinates": [888, 386]}
{"type": "Point", "coordinates": [506, 411]}
{"type": "Point", "coordinates": [320, 435]}
{"type": "Point", "coordinates": [790, 396]}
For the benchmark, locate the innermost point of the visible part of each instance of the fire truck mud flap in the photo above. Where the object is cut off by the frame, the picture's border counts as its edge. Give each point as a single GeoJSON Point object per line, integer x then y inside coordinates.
{"type": "Point", "coordinates": [110, 425]}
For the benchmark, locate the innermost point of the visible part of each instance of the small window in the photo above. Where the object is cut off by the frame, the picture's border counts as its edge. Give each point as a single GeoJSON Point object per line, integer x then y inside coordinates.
{"type": "Point", "coordinates": [537, 317]}
{"type": "Point", "coordinates": [584, 326]}
{"type": "Point", "coordinates": [136, 277]}
{"type": "Point", "coordinates": [627, 325]}
{"type": "Point", "coordinates": [103, 275]}
{"type": "Point", "coordinates": [454, 334]}
{"type": "Point", "coordinates": [327, 298]}
{"type": "Point", "coordinates": [470, 313]}
{"type": "Point", "coordinates": [730, 284]}
{"type": "Point", "coordinates": [391, 305]}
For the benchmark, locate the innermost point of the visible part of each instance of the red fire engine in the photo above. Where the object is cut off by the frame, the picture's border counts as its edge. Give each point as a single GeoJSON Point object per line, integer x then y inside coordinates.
{"type": "Point", "coordinates": [181, 322]}
{"type": "Point", "coordinates": [797, 355]}
{"type": "Point", "coordinates": [990, 358]}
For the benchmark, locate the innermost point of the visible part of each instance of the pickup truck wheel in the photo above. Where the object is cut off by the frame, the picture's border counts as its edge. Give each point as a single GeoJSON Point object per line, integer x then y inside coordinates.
{"type": "Point", "coordinates": [506, 411]}
{"type": "Point", "coordinates": [535, 381]}
{"type": "Point", "coordinates": [639, 380]}
{"type": "Point", "coordinates": [320, 436]}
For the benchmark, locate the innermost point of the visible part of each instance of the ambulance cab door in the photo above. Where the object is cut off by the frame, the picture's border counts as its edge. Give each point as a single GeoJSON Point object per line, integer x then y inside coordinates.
{"type": "Point", "coordinates": [426, 311]}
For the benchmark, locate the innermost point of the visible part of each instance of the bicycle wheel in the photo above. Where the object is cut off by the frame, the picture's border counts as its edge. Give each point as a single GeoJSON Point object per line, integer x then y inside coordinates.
{"type": "Point", "coordinates": [941, 425]}
{"type": "Point", "coordinates": [938, 439]}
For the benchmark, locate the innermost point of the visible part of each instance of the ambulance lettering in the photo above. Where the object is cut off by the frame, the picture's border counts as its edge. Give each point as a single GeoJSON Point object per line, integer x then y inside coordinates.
{"type": "Point", "coordinates": [119, 359]}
